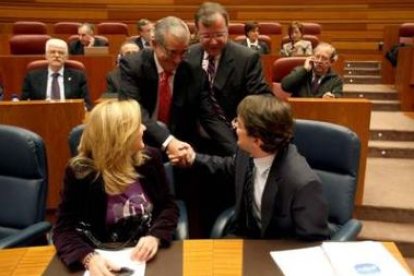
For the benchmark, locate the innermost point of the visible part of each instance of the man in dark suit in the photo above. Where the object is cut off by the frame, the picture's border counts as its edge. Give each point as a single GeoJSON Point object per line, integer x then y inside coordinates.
{"type": "Point", "coordinates": [86, 39]}
{"type": "Point", "coordinates": [146, 33]}
{"type": "Point", "coordinates": [56, 82]}
{"type": "Point", "coordinates": [113, 78]}
{"type": "Point", "coordinates": [233, 70]}
{"type": "Point", "coordinates": [277, 194]}
{"type": "Point", "coordinates": [251, 30]}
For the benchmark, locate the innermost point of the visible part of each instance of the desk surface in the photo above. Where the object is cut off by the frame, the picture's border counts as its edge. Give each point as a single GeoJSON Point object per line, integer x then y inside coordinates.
{"type": "Point", "coordinates": [191, 257]}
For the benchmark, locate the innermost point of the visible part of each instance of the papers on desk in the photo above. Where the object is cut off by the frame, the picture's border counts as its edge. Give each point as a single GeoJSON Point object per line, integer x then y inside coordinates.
{"type": "Point", "coordinates": [339, 259]}
{"type": "Point", "coordinates": [123, 259]}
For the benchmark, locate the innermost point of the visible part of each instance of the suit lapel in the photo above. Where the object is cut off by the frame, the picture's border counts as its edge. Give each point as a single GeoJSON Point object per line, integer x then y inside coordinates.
{"type": "Point", "coordinates": [43, 84]}
{"type": "Point", "coordinates": [67, 82]}
{"type": "Point", "coordinates": [225, 68]}
{"type": "Point", "coordinates": [269, 194]}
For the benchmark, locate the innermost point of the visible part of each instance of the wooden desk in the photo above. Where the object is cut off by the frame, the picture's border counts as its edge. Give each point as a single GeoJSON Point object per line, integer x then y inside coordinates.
{"type": "Point", "coordinates": [13, 69]}
{"type": "Point", "coordinates": [352, 113]}
{"type": "Point", "coordinates": [188, 258]}
{"type": "Point", "coordinates": [52, 121]}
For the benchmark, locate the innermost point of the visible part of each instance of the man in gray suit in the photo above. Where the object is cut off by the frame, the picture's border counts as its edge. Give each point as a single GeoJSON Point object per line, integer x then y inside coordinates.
{"type": "Point", "coordinates": [234, 72]}
{"type": "Point", "coordinates": [277, 194]}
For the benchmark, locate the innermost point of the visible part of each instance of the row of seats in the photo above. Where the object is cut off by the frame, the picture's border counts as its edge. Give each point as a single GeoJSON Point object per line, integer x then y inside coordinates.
{"type": "Point", "coordinates": [24, 180]}
{"type": "Point", "coordinates": [106, 28]}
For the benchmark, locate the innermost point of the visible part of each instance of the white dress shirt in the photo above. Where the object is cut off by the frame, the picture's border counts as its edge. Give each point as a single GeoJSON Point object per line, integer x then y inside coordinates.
{"type": "Point", "coordinates": [60, 82]}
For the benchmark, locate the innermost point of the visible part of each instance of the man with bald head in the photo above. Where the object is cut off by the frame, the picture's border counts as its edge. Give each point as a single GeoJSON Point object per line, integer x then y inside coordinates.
{"type": "Point", "coordinates": [315, 78]}
{"type": "Point", "coordinates": [57, 82]}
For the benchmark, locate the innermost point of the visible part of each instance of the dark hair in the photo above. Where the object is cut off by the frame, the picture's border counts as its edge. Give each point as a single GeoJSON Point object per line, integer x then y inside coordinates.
{"type": "Point", "coordinates": [268, 118]}
{"type": "Point", "coordinates": [250, 26]}
{"type": "Point", "coordinates": [142, 22]}
{"type": "Point", "coordinates": [206, 14]}
{"type": "Point", "coordinates": [295, 25]}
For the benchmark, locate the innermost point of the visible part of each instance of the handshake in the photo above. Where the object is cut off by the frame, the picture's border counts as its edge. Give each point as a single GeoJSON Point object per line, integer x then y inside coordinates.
{"type": "Point", "coordinates": [180, 153]}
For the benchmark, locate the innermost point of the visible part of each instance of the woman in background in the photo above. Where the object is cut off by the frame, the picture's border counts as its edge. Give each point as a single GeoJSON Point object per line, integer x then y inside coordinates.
{"type": "Point", "coordinates": [117, 188]}
{"type": "Point", "coordinates": [297, 46]}
{"type": "Point", "coordinates": [251, 30]}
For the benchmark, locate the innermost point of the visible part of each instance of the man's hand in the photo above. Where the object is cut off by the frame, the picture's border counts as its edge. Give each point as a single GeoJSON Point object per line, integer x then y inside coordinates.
{"type": "Point", "coordinates": [145, 249]}
{"type": "Point", "coordinates": [177, 152]}
{"type": "Point", "coordinates": [99, 266]}
{"type": "Point", "coordinates": [185, 158]}
{"type": "Point", "coordinates": [328, 95]}
{"type": "Point", "coordinates": [308, 65]}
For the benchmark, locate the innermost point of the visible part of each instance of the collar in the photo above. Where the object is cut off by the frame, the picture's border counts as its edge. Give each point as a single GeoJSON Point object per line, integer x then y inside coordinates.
{"type": "Point", "coordinates": [249, 43]}
{"type": "Point", "coordinates": [263, 164]}
{"type": "Point", "coordinates": [205, 57]}
{"type": "Point", "coordinates": [50, 72]}
{"type": "Point", "coordinates": [160, 70]}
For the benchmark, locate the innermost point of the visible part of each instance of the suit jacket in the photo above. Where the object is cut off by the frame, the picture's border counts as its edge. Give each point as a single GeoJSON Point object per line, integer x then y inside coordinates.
{"type": "Point", "coordinates": [76, 47]}
{"type": "Point", "coordinates": [292, 204]}
{"type": "Point", "coordinates": [298, 82]}
{"type": "Point", "coordinates": [263, 48]}
{"type": "Point", "coordinates": [138, 41]}
{"type": "Point", "coordinates": [113, 81]}
{"type": "Point", "coordinates": [139, 81]}
{"type": "Point", "coordinates": [238, 74]}
{"type": "Point", "coordinates": [84, 199]}
{"type": "Point", "coordinates": [74, 81]}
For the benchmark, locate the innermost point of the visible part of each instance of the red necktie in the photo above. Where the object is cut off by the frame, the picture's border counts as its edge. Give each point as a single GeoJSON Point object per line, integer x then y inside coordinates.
{"type": "Point", "coordinates": [164, 98]}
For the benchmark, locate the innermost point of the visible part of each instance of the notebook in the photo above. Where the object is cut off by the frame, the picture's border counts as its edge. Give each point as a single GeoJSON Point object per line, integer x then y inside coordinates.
{"type": "Point", "coordinates": [96, 51]}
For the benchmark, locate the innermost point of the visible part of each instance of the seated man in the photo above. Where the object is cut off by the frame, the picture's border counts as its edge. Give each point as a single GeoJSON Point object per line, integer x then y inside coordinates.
{"type": "Point", "coordinates": [146, 34]}
{"type": "Point", "coordinates": [277, 194]}
{"type": "Point", "coordinates": [56, 82]}
{"type": "Point", "coordinates": [113, 78]}
{"type": "Point", "coordinates": [315, 78]}
{"type": "Point", "coordinates": [86, 39]}
{"type": "Point", "coordinates": [251, 30]}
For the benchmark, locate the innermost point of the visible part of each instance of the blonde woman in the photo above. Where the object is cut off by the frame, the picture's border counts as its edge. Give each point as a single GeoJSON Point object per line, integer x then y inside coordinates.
{"type": "Point", "coordinates": [297, 46]}
{"type": "Point", "coordinates": [114, 190]}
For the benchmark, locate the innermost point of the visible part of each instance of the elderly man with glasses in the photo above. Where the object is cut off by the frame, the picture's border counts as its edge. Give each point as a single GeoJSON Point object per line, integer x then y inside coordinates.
{"type": "Point", "coordinates": [315, 78]}
{"type": "Point", "coordinates": [164, 86]}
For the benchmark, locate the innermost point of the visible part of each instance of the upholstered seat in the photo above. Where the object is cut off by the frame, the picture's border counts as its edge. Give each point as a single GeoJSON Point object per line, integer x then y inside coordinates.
{"type": "Point", "coordinates": [40, 64]}
{"type": "Point", "coordinates": [311, 28]}
{"type": "Point", "coordinates": [32, 44]}
{"type": "Point", "coordinates": [406, 33]}
{"type": "Point", "coordinates": [236, 29]}
{"type": "Point", "coordinates": [270, 28]}
{"type": "Point", "coordinates": [332, 151]}
{"type": "Point", "coordinates": [23, 185]}
{"type": "Point", "coordinates": [76, 37]}
{"type": "Point", "coordinates": [29, 27]}
{"type": "Point", "coordinates": [282, 67]}
{"type": "Point", "coordinates": [66, 27]}
{"type": "Point", "coordinates": [112, 28]}
{"type": "Point", "coordinates": [314, 40]}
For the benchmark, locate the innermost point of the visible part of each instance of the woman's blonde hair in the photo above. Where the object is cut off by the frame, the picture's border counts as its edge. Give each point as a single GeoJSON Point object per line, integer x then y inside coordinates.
{"type": "Point", "coordinates": [108, 144]}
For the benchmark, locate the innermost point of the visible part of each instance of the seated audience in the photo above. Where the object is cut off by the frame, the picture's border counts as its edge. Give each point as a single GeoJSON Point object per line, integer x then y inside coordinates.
{"type": "Point", "coordinates": [277, 194]}
{"type": "Point", "coordinates": [56, 82]}
{"type": "Point", "coordinates": [146, 34]}
{"type": "Point", "coordinates": [251, 30]}
{"type": "Point", "coordinates": [315, 78]}
{"type": "Point", "coordinates": [296, 46]}
{"type": "Point", "coordinates": [115, 191]}
{"type": "Point", "coordinates": [113, 78]}
{"type": "Point", "coordinates": [86, 39]}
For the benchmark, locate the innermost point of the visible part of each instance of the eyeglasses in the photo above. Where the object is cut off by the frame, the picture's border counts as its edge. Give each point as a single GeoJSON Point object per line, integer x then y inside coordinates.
{"type": "Point", "coordinates": [172, 53]}
{"type": "Point", "coordinates": [56, 52]}
{"type": "Point", "coordinates": [235, 123]}
{"type": "Point", "coordinates": [210, 36]}
{"type": "Point", "coordinates": [320, 58]}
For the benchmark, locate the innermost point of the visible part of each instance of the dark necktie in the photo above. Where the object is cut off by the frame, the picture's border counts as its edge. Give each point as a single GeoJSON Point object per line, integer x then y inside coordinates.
{"type": "Point", "coordinates": [164, 98]}
{"type": "Point", "coordinates": [315, 84]}
{"type": "Point", "coordinates": [249, 197]}
{"type": "Point", "coordinates": [211, 71]}
{"type": "Point", "coordinates": [55, 87]}
{"type": "Point", "coordinates": [254, 47]}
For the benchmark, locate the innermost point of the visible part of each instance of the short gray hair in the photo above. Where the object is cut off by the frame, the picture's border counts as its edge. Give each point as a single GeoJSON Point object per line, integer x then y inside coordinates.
{"type": "Point", "coordinates": [333, 56]}
{"type": "Point", "coordinates": [56, 42]}
{"type": "Point", "coordinates": [173, 26]}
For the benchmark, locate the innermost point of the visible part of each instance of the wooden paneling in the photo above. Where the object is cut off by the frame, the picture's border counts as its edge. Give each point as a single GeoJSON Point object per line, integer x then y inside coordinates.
{"type": "Point", "coordinates": [404, 78]}
{"type": "Point", "coordinates": [52, 121]}
{"type": "Point", "coordinates": [352, 113]}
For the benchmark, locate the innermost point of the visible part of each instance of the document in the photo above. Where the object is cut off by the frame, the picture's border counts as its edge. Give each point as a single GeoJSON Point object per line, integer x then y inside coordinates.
{"type": "Point", "coordinates": [366, 258]}
{"type": "Point", "coordinates": [123, 259]}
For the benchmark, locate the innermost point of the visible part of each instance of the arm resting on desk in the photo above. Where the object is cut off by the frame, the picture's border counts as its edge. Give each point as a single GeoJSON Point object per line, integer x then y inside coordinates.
{"type": "Point", "coordinates": [348, 232]}
{"type": "Point", "coordinates": [25, 236]}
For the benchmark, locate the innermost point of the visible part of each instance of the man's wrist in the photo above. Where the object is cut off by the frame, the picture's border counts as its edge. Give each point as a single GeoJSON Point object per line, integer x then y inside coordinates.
{"type": "Point", "coordinates": [87, 259]}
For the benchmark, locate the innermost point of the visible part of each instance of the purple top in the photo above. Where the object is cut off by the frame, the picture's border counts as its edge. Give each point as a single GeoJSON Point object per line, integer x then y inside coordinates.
{"type": "Point", "coordinates": [129, 203]}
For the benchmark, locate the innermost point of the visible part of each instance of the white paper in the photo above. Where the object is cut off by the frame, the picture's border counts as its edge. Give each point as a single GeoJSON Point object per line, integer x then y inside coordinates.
{"type": "Point", "coordinates": [122, 258]}
{"type": "Point", "coordinates": [362, 258]}
{"type": "Point", "coordinates": [365, 258]}
{"type": "Point", "coordinates": [306, 261]}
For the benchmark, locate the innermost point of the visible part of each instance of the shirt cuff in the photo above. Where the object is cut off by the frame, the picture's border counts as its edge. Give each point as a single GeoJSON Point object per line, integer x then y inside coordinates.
{"type": "Point", "coordinates": [166, 142]}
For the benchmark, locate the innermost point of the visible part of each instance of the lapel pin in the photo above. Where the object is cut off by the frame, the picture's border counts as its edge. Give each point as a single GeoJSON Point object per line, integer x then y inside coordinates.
{"type": "Point", "coordinates": [69, 78]}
